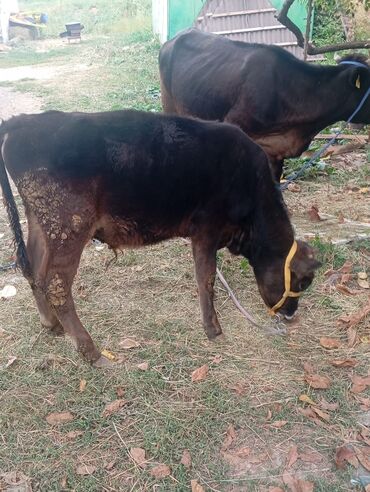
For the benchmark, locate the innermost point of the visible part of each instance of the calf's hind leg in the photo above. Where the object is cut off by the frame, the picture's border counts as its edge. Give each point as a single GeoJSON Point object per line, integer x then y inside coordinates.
{"type": "Point", "coordinates": [204, 253]}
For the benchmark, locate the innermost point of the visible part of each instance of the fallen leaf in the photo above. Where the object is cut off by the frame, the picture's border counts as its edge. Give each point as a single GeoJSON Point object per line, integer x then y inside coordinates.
{"type": "Point", "coordinates": [330, 343]}
{"type": "Point", "coordinates": [363, 458]}
{"type": "Point", "coordinates": [313, 214]}
{"type": "Point", "coordinates": [129, 343]}
{"type": "Point", "coordinates": [113, 407]}
{"type": "Point", "coordinates": [364, 284]}
{"type": "Point", "coordinates": [295, 484]}
{"type": "Point", "coordinates": [309, 413]}
{"type": "Point", "coordinates": [355, 318]}
{"type": "Point", "coordinates": [317, 382]}
{"type": "Point", "coordinates": [321, 414]}
{"type": "Point", "coordinates": [109, 466]}
{"type": "Point", "coordinates": [83, 384]}
{"type": "Point", "coordinates": [343, 289]}
{"type": "Point", "coordinates": [8, 291]}
{"type": "Point", "coordinates": [363, 339]}
{"type": "Point", "coordinates": [229, 439]}
{"type": "Point", "coordinates": [344, 362]}
{"type": "Point", "coordinates": [200, 374]}
{"type": "Point", "coordinates": [325, 405]}
{"type": "Point", "coordinates": [309, 368]}
{"type": "Point", "coordinates": [243, 452]}
{"type": "Point", "coordinates": [345, 454]}
{"type": "Point", "coordinates": [160, 471]}
{"type": "Point", "coordinates": [268, 415]}
{"type": "Point", "coordinates": [144, 366]}
{"type": "Point", "coordinates": [346, 277]}
{"type": "Point", "coordinates": [352, 337]}
{"type": "Point", "coordinates": [346, 267]}
{"type": "Point", "coordinates": [109, 355]}
{"type": "Point", "coordinates": [120, 391]}
{"type": "Point", "coordinates": [10, 361]}
{"type": "Point", "coordinates": [278, 424]}
{"type": "Point", "coordinates": [138, 455]}
{"type": "Point", "coordinates": [294, 187]}
{"type": "Point", "coordinates": [195, 487]}
{"type": "Point", "coordinates": [17, 480]}
{"type": "Point", "coordinates": [359, 383]}
{"type": "Point", "coordinates": [186, 459]}
{"type": "Point", "coordinates": [310, 457]}
{"type": "Point", "coordinates": [57, 418]}
{"type": "Point", "coordinates": [217, 359]}
{"type": "Point", "coordinates": [362, 275]}
{"type": "Point", "coordinates": [275, 489]}
{"type": "Point", "coordinates": [365, 402]}
{"type": "Point", "coordinates": [73, 434]}
{"type": "Point", "coordinates": [292, 456]}
{"type": "Point", "coordinates": [85, 469]}
{"type": "Point", "coordinates": [306, 399]}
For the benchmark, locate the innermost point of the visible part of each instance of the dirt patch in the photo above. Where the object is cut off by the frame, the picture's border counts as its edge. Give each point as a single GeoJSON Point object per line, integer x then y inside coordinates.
{"type": "Point", "coordinates": [13, 103]}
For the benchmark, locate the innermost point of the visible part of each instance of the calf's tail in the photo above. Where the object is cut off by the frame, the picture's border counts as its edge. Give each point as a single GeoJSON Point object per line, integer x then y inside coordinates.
{"type": "Point", "coordinates": [12, 211]}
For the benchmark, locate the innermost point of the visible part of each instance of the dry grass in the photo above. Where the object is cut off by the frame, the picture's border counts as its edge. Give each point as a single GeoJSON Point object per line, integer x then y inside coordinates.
{"type": "Point", "coordinates": [254, 381]}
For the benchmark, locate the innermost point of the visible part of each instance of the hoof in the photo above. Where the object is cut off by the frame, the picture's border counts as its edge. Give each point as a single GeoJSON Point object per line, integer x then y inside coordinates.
{"type": "Point", "coordinates": [103, 362]}
{"type": "Point", "coordinates": [219, 338]}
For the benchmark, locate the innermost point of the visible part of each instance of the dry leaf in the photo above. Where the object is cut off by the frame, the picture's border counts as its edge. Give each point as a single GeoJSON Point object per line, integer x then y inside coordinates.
{"type": "Point", "coordinates": [364, 284]}
{"type": "Point", "coordinates": [229, 439]}
{"type": "Point", "coordinates": [278, 424]}
{"type": "Point", "coordinates": [200, 374]}
{"type": "Point", "coordinates": [344, 362]}
{"type": "Point", "coordinates": [343, 289]}
{"type": "Point", "coordinates": [292, 456]}
{"type": "Point", "coordinates": [73, 434]}
{"type": "Point", "coordinates": [120, 391]}
{"type": "Point", "coordinates": [309, 413]}
{"type": "Point", "coordinates": [195, 487]}
{"type": "Point", "coordinates": [311, 457]}
{"type": "Point", "coordinates": [109, 355]}
{"type": "Point", "coordinates": [186, 459]}
{"type": "Point", "coordinates": [113, 407]}
{"type": "Point", "coordinates": [160, 471]}
{"type": "Point", "coordinates": [56, 418]}
{"type": "Point", "coordinates": [83, 384]}
{"type": "Point", "coordinates": [363, 458]}
{"type": "Point", "coordinates": [359, 383]}
{"type": "Point", "coordinates": [346, 267]}
{"type": "Point", "coordinates": [352, 337]}
{"type": "Point", "coordinates": [217, 359]}
{"type": "Point", "coordinates": [313, 214]}
{"type": "Point", "coordinates": [306, 399]}
{"type": "Point", "coordinates": [321, 414]}
{"type": "Point", "coordinates": [317, 382]}
{"type": "Point", "coordinates": [362, 275]}
{"type": "Point", "coordinates": [355, 318]}
{"type": "Point", "coordinates": [309, 368]}
{"type": "Point", "coordinates": [294, 187]}
{"type": "Point", "coordinates": [275, 489]}
{"type": "Point", "coordinates": [8, 291]}
{"type": "Point", "coordinates": [330, 343]}
{"type": "Point", "coordinates": [10, 361]}
{"type": "Point", "coordinates": [295, 484]}
{"type": "Point", "coordinates": [144, 366]}
{"type": "Point", "coordinates": [129, 343]}
{"type": "Point", "coordinates": [328, 406]}
{"type": "Point", "coordinates": [343, 454]}
{"type": "Point", "coordinates": [138, 455]}
{"type": "Point", "coordinates": [85, 469]}
{"type": "Point", "coordinates": [109, 466]}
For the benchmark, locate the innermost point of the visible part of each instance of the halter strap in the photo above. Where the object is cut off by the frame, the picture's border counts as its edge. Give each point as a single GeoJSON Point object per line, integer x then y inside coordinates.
{"type": "Point", "coordinates": [355, 63]}
{"type": "Point", "coordinates": [287, 280]}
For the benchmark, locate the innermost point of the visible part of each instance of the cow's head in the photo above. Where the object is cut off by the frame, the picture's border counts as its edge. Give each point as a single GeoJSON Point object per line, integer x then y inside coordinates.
{"type": "Point", "coordinates": [357, 76]}
{"type": "Point", "coordinates": [281, 280]}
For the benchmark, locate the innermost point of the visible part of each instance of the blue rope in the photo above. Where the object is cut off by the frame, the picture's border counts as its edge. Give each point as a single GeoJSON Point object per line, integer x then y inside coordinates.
{"type": "Point", "coordinates": [292, 177]}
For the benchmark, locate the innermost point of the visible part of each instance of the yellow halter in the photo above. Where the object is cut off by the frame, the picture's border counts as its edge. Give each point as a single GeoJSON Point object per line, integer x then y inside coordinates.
{"type": "Point", "coordinates": [287, 280]}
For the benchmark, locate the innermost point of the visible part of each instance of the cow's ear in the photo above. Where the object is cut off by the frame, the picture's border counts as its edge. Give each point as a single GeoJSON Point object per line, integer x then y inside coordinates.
{"type": "Point", "coordinates": [355, 78]}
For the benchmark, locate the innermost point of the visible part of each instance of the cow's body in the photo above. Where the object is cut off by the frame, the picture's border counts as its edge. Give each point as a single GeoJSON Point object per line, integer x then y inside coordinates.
{"type": "Point", "coordinates": [131, 179]}
{"type": "Point", "coordinates": [279, 101]}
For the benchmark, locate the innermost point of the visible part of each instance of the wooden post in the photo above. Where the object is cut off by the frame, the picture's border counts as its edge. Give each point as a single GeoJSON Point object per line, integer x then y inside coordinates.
{"type": "Point", "coordinates": [308, 28]}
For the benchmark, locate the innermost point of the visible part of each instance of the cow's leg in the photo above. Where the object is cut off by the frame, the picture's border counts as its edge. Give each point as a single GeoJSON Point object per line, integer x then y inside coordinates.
{"type": "Point", "coordinates": [38, 255]}
{"type": "Point", "coordinates": [204, 253]}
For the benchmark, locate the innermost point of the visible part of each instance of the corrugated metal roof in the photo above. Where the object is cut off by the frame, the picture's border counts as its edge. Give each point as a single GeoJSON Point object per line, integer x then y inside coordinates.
{"type": "Point", "coordinates": [252, 21]}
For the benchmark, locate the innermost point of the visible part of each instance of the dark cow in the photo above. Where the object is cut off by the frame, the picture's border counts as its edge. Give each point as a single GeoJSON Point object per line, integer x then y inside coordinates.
{"type": "Point", "coordinates": [278, 100]}
{"type": "Point", "coordinates": [131, 179]}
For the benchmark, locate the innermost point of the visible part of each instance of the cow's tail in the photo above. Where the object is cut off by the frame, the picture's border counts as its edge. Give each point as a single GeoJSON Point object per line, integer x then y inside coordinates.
{"type": "Point", "coordinates": [21, 252]}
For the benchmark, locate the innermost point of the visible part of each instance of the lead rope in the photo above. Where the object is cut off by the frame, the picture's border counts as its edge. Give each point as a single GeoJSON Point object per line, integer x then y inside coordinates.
{"type": "Point", "coordinates": [307, 165]}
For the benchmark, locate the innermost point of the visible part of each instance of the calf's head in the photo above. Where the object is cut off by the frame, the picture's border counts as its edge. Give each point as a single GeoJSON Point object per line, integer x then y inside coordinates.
{"type": "Point", "coordinates": [281, 280]}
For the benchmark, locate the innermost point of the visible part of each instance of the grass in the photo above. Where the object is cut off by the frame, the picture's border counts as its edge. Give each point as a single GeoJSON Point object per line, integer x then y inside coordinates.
{"type": "Point", "coordinates": [150, 295]}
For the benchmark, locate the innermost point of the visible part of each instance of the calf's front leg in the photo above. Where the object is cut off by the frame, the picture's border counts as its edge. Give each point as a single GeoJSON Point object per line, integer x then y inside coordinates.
{"type": "Point", "coordinates": [205, 271]}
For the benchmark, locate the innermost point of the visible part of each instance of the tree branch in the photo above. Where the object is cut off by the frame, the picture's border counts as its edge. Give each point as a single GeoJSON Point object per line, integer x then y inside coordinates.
{"type": "Point", "coordinates": [283, 18]}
